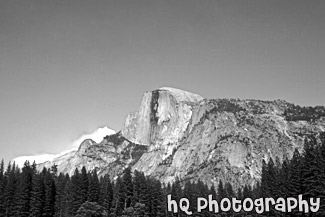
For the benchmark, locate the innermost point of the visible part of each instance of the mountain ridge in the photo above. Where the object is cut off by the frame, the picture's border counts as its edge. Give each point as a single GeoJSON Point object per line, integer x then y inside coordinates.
{"type": "Point", "coordinates": [176, 133]}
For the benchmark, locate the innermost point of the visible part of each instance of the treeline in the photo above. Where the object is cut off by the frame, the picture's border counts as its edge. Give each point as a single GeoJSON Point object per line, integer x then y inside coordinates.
{"type": "Point", "coordinates": [302, 113]}
{"type": "Point", "coordinates": [27, 192]}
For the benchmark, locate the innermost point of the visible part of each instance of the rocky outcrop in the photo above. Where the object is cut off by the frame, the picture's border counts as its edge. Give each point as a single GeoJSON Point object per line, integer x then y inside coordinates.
{"type": "Point", "coordinates": [179, 134]}
{"type": "Point", "coordinates": [112, 155]}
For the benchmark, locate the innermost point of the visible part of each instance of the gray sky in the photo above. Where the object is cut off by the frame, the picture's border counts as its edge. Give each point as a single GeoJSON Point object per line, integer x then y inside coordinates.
{"type": "Point", "coordinates": [69, 67]}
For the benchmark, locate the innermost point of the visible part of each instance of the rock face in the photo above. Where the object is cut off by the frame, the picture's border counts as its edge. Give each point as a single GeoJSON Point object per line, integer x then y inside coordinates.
{"type": "Point", "coordinates": [112, 155]}
{"type": "Point", "coordinates": [163, 117]}
{"type": "Point", "coordinates": [179, 134]}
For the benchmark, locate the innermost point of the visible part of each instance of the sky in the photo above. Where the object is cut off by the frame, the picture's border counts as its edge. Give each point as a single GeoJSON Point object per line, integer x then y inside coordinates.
{"type": "Point", "coordinates": [70, 67]}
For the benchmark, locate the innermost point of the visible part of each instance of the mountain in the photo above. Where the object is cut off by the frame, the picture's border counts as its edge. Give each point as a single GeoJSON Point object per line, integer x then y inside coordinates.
{"type": "Point", "coordinates": [97, 136]}
{"type": "Point", "coordinates": [176, 133]}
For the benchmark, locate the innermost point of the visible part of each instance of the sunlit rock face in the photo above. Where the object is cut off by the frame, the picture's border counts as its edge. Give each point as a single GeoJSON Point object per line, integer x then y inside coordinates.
{"type": "Point", "coordinates": [162, 118]}
{"type": "Point", "coordinates": [215, 139]}
{"type": "Point", "coordinates": [175, 133]}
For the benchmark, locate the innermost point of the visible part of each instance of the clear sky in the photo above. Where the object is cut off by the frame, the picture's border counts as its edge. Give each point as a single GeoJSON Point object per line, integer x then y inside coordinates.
{"type": "Point", "coordinates": [69, 67]}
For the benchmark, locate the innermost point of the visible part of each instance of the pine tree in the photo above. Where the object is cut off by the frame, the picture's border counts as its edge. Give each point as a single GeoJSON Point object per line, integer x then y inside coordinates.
{"type": "Point", "coordinates": [239, 194]}
{"type": "Point", "coordinates": [106, 193]}
{"type": "Point", "coordinates": [83, 185]}
{"type": "Point", "coordinates": [295, 179]}
{"type": "Point", "coordinates": [311, 169]}
{"type": "Point", "coordinates": [157, 198]}
{"type": "Point", "coordinates": [284, 175]}
{"type": "Point", "coordinates": [24, 190]}
{"type": "Point", "coordinates": [119, 197]}
{"type": "Point", "coordinates": [272, 178]}
{"type": "Point", "coordinates": [93, 189]}
{"type": "Point", "coordinates": [127, 180]}
{"type": "Point", "coordinates": [69, 198]}
{"type": "Point", "coordinates": [50, 194]}
{"type": "Point", "coordinates": [265, 189]}
{"type": "Point", "coordinates": [61, 195]}
{"type": "Point", "coordinates": [321, 163]}
{"type": "Point", "coordinates": [2, 188]}
{"type": "Point", "coordinates": [137, 182]}
{"type": "Point", "coordinates": [76, 196]}
{"type": "Point", "coordinates": [10, 191]}
{"type": "Point", "coordinates": [176, 191]}
{"type": "Point", "coordinates": [247, 191]}
{"type": "Point", "coordinates": [229, 190]}
{"type": "Point", "coordinates": [221, 192]}
{"type": "Point", "coordinates": [38, 194]}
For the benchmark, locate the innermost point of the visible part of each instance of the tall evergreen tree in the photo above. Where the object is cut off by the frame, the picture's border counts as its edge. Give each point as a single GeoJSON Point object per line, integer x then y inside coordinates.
{"type": "Point", "coordinates": [83, 185]}
{"type": "Point", "coordinates": [2, 187]}
{"type": "Point", "coordinates": [221, 192]}
{"type": "Point", "coordinates": [93, 189]}
{"type": "Point", "coordinates": [284, 175]}
{"type": "Point", "coordinates": [50, 194]}
{"type": "Point", "coordinates": [311, 168]}
{"type": "Point", "coordinates": [119, 197]}
{"type": "Point", "coordinates": [24, 190]}
{"type": "Point", "coordinates": [76, 196]}
{"type": "Point", "coordinates": [295, 186]}
{"type": "Point", "coordinates": [265, 181]}
{"type": "Point", "coordinates": [127, 180]}
{"type": "Point", "coordinates": [106, 193]}
{"type": "Point", "coordinates": [10, 191]}
{"type": "Point", "coordinates": [61, 195]}
{"type": "Point", "coordinates": [38, 194]}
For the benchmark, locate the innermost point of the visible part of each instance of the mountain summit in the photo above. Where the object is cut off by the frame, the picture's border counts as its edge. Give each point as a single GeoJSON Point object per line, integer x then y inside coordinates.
{"type": "Point", "coordinates": [176, 133]}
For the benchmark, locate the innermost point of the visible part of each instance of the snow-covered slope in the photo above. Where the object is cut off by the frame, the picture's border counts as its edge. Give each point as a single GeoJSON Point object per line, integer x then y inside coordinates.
{"type": "Point", "coordinates": [96, 136]}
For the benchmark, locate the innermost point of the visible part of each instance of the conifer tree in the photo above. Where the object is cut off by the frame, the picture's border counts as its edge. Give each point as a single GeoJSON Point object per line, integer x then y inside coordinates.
{"type": "Point", "coordinates": [106, 193]}
{"type": "Point", "coordinates": [119, 197]}
{"type": "Point", "coordinates": [284, 175]}
{"type": "Point", "coordinates": [83, 185]}
{"type": "Point", "coordinates": [2, 187]}
{"type": "Point", "coordinates": [272, 178]}
{"type": "Point", "coordinates": [188, 192]}
{"type": "Point", "coordinates": [229, 190]}
{"type": "Point", "coordinates": [156, 198]}
{"type": "Point", "coordinates": [265, 189]}
{"type": "Point", "coordinates": [76, 196]}
{"type": "Point", "coordinates": [24, 190]}
{"type": "Point", "coordinates": [311, 169]}
{"type": "Point", "coordinates": [10, 191]}
{"type": "Point", "coordinates": [50, 194]}
{"type": "Point", "coordinates": [295, 179]}
{"type": "Point", "coordinates": [239, 194]}
{"type": "Point", "coordinates": [38, 194]}
{"type": "Point", "coordinates": [221, 191]}
{"type": "Point", "coordinates": [247, 192]}
{"type": "Point", "coordinates": [128, 185]}
{"type": "Point", "coordinates": [68, 202]}
{"type": "Point", "coordinates": [321, 163]}
{"type": "Point", "coordinates": [137, 182]}
{"type": "Point", "coordinates": [61, 195]}
{"type": "Point", "coordinates": [176, 191]}
{"type": "Point", "coordinates": [93, 189]}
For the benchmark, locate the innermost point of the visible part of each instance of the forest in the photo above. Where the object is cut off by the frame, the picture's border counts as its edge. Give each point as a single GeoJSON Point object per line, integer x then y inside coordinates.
{"type": "Point", "coordinates": [26, 192]}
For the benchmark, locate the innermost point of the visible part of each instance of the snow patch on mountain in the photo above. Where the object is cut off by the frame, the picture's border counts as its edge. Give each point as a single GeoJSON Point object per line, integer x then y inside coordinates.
{"type": "Point", "coordinates": [97, 136]}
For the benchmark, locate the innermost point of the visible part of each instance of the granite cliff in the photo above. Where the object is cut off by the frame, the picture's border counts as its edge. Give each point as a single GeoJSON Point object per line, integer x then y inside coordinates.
{"type": "Point", "coordinates": [175, 133]}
